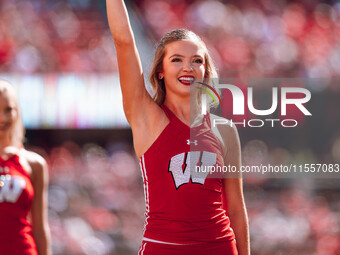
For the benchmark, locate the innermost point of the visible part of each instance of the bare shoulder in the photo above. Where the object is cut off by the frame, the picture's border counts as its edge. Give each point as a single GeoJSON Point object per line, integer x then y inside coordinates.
{"type": "Point", "coordinates": [33, 158]}
{"type": "Point", "coordinates": [225, 130]}
{"type": "Point", "coordinates": [36, 163]}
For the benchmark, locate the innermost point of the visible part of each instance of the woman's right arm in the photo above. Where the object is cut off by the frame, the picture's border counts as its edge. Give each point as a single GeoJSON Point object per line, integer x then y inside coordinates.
{"type": "Point", "coordinates": [143, 114]}
{"type": "Point", "coordinates": [130, 68]}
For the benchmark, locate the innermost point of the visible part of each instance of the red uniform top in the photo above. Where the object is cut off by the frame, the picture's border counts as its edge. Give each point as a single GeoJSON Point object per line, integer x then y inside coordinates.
{"type": "Point", "coordinates": [16, 195]}
{"type": "Point", "coordinates": [182, 206]}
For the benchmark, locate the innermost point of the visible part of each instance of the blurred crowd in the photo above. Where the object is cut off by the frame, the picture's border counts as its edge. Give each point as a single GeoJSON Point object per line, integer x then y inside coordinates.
{"type": "Point", "coordinates": [96, 204]}
{"type": "Point", "coordinates": [257, 38]}
{"type": "Point", "coordinates": [246, 38]}
{"type": "Point", "coordinates": [54, 36]}
{"type": "Point", "coordinates": [291, 221]}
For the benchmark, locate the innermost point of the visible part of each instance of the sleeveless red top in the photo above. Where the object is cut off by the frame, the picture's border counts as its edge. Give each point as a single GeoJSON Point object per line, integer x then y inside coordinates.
{"type": "Point", "coordinates": [16, 195]}
{"type": "Point", "coordinates": [181, 206]}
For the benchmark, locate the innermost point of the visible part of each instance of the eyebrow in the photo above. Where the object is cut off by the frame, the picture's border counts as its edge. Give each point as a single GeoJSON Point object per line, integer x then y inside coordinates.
{"type": "Point", "coordinates": [178, 55]}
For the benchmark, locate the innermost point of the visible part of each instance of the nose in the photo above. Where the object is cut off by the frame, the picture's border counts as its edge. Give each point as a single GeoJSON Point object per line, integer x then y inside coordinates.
{"type": "Point", "coordinates": [187, 67]}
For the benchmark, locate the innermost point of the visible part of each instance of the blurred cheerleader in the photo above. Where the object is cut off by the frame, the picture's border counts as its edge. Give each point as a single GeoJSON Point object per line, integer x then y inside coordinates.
{"type": "Point", "coordinates": [23, 186]}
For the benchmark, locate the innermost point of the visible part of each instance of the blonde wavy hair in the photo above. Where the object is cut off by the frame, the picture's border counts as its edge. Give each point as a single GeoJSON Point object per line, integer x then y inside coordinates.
{"type": "Point", "coordinates": [18, 131]}
{"type": "Point", "coordinates": [157, 67]}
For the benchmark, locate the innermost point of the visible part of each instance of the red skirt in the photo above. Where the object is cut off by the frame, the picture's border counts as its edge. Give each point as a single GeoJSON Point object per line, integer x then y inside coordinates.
{"type": "Point", "coordinates": [210, 248]}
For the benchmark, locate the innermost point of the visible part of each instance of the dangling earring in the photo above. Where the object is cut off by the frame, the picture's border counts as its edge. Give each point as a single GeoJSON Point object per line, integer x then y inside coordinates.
{"type": "Point", "coordinates": [160, 76]}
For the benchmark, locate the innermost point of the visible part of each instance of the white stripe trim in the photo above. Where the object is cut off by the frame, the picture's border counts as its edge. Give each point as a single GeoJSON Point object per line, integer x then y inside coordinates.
{"type": "Point", "coordinates": [156, 241]}
{"type": "Point", "coordinates": [146, 192]}
{"type": "Point", "coordinates": [142, 249]}
{"type": "Point", "coordinates": [147, 183]}
{"type": "Point", "coordinates": [143, 161]}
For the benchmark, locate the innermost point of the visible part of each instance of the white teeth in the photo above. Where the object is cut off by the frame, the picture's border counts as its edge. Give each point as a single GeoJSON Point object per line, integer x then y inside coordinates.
{"type": "Point", "coordinates": [186, 79]}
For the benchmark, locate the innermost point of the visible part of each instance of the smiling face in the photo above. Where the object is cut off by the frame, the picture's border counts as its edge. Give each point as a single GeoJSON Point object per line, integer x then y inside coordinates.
{"type": "Point", "coordinates": [183, 65]}
{"type": "Point", "coordinates": [8, 112]}
{"type": "Point", "coordinates": [11, 127]}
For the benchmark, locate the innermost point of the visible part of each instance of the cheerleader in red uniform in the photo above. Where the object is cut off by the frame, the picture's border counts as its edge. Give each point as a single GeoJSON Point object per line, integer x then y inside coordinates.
{"type": "Point", "coordinates": [23, 183]}
{"type": "Point", "coordinates": [184, 212]}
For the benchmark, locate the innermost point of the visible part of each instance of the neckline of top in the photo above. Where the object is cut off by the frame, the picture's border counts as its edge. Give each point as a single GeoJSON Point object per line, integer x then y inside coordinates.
{"type": "Point", "coordinates": [181, 123]}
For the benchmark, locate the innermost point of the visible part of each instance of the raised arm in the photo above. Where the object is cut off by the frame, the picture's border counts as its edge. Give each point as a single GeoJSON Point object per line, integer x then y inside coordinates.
{"type": "Point", "coordinates": [143, 114]}
{"type": "Point", "coordinates": [119, 22]}
{"type": "Point", "coordinates": [130, 68]}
